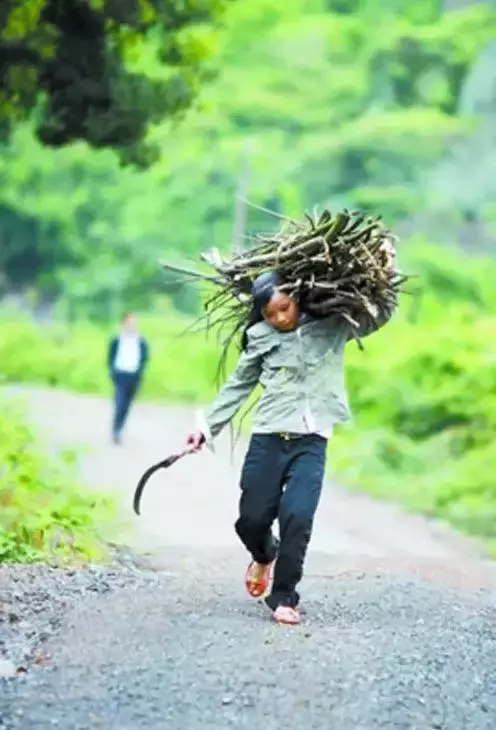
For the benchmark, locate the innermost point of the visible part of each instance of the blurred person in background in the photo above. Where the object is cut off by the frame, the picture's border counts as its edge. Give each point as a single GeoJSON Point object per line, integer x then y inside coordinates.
{"type": "Point", "coordinates": [128, 355]}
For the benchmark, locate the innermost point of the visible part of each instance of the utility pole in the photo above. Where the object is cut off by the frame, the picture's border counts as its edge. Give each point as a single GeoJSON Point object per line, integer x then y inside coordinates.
{"type": "Point", "coordinates": [242, 189]}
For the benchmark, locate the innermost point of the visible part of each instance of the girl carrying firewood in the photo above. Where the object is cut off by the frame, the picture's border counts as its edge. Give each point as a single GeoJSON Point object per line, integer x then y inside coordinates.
{"type": "Point", "coordinates": [297, 358]}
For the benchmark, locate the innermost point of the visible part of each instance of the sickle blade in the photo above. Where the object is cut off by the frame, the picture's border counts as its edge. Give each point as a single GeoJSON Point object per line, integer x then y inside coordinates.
{"type": "Point", "coordinates": [147, 476]}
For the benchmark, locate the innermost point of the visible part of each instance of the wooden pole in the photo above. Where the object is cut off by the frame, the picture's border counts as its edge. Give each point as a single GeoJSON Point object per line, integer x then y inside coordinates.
{"type": "Point", "coordinates": [242, 190]}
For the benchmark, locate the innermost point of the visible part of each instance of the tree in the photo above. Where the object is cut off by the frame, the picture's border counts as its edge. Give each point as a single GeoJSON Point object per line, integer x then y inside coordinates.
{"type": "Point", "coordinates": [332, 114]}
{"type": "Point", "coordinates": [102, 71]}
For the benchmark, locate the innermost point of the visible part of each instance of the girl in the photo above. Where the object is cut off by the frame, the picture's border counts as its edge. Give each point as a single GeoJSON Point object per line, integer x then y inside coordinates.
{"type": "Point", "coordinates": [298, 361]}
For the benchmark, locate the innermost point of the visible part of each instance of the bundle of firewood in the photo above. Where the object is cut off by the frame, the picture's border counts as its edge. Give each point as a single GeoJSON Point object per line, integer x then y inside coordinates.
{"type": "Point", "coordinates": [343, 264]}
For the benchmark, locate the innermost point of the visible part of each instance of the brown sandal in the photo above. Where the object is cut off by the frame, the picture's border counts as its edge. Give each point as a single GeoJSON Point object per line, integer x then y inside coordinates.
{"type": "Point", "coordinates": [257, 578]}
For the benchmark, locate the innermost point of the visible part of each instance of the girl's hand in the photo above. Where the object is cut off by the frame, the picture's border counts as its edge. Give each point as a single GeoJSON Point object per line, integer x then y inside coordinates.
{"type": "Point", "coordinates": [195, 441]}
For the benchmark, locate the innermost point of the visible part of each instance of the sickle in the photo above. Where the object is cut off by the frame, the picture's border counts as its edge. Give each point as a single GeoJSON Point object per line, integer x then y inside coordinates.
{"type": "Point", "coordinates": [149, 473]}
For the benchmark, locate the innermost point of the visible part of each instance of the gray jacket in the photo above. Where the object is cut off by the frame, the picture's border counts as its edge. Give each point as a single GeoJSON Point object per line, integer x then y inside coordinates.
{"type": "Point", "coordinates": [301, 374]}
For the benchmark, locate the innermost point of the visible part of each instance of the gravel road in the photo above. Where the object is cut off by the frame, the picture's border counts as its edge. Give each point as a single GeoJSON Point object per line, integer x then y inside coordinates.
{"type": "Point", "coordinates": [399, 613]}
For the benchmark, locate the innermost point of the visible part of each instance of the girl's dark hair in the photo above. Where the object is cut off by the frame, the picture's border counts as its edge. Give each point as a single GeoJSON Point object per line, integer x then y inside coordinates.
{"type": "Point", "coordinates": [256, 315]}
{"type": "Point", "coordinates": [262, 290]}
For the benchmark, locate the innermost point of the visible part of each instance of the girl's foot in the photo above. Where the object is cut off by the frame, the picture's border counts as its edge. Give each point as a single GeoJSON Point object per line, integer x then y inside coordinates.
{"type": "Point", "coordinates": [286, 615]}
{"type": "Point", "coordinates": [257, 578]}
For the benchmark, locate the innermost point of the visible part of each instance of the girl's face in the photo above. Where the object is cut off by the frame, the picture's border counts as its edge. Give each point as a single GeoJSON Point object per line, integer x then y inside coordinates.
{"type": "Point", "coordinates": [281, 312]}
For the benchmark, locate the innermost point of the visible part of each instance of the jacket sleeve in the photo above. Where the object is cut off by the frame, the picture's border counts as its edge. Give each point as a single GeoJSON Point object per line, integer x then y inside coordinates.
{"type": "Point", "coordinates": [234, 393]}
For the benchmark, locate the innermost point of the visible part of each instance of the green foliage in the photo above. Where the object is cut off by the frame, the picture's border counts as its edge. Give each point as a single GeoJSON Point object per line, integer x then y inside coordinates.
{"type": "Point", "coordinates": [45, 514]}
{"type": "Point", "coordinates": [380, 122]}
{"type": "Point", "coordinates": [424, 394]}
{"type": "Point", "coordinates": [321, 110]}
{"type": "Point", "coordinates": [105, 70]}
{"type": "Point", "coordinates": [182, 366]}
{"type": "Point", "coordinates": [447, 274]}
{"type": "Point", "coordinates": [76, 241]}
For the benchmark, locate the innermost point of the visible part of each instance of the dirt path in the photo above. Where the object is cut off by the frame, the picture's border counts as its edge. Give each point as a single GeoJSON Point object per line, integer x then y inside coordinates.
{"type": "Point", "coordinates": [194, 505]}
{"type": "Point", "coordinates": [399, 630]}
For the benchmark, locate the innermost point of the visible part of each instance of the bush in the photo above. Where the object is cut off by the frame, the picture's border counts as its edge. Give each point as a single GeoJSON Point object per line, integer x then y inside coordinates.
{"type": "Point", "coordinates": [182, 366]}
{"type": "Point", "coordinates": [45, 514]}
{"type": "Point", "coordinates": [445, 274]}
{"type": "Point", "coordinates": [424, 396]}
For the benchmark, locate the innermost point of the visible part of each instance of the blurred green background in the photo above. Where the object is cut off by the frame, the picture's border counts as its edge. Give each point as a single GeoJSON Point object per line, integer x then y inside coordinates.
{"type": "Point", "coordinates": [131, 133]}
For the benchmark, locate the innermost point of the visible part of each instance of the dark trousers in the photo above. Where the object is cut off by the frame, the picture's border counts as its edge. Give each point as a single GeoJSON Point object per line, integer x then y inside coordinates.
{"type": "Point", "coordinates": [125, 389]}
{"type": "Point", "coordinates": [281, 478]}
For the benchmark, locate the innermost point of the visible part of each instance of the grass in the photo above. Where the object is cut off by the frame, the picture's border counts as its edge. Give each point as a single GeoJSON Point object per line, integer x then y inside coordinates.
{"type": "Point", "coordinates": [46, 514]}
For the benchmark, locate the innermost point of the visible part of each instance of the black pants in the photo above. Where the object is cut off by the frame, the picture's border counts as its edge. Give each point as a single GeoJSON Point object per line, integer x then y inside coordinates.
{"type": "Point", "coordinates": [125, 389]}
{"type": "Point", "coordinates": [281, 478]}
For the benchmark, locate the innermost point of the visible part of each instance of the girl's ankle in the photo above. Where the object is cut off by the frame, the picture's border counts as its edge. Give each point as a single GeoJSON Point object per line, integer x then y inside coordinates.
{"type": "Point", "coordinates": [286, 615]}
{"type": "Point", "coordinates": [276, 599]}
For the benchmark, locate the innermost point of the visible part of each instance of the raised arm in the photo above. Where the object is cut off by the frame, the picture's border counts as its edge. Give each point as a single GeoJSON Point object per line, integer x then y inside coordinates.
{"type": "Point", "coordinates": [369, 323]}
